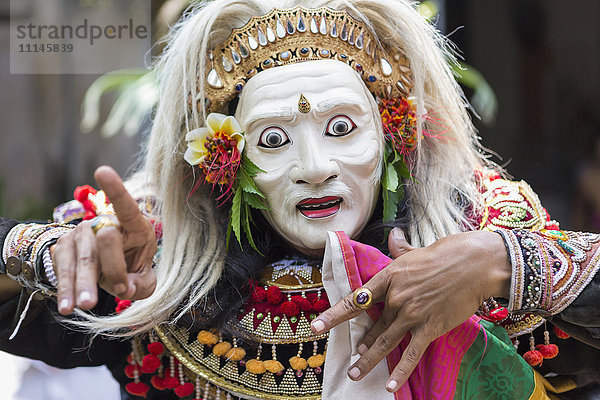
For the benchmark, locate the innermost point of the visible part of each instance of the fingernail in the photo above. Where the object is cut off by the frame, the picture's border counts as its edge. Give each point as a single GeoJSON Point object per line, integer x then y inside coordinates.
{"type": "Point", "coordinates": [362, 349]}
{"type": "Point", "coordinates": [397, 234]}
{"type": "Point", "coordinates": [392, 385]}
{"type": "Point", "coordinates": [318, 325]}
{"type": "Point", "coordinates": [64, 304]}
{"type": "Point", "coordinates": [354, 373]}
{"type": "Point", "coordinates": [84, 297]}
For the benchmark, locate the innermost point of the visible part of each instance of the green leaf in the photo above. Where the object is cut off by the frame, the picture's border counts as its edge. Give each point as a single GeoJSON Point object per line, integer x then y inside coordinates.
{"type": "Point", "coordinates": [255, 201]}
{"type": "Point", "coordinates": [234, 219]}
{"type": "Point", "coordinates": [247, 184]}
{"type": "Point", "coordinates": [390, 178]}
{"type": "Point", "coordinates": [228, 232]}
{"type": "Point", "coordinates": [250, 167]}
{"type": "Point", "coordinates": [402, 169]}
{"type": "Point", "coordinates": [390, 203]}
{"type": "Point", "coordinates": [246, 225]}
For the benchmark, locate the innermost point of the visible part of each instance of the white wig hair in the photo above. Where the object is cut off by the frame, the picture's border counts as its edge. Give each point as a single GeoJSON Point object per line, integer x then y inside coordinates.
{"type": "Point", "coordinates": [193, 247]}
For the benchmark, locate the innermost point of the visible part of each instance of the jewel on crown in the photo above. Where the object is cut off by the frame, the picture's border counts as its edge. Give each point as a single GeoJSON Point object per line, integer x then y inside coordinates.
{"type": "Point", "coordinates": [299, 34]}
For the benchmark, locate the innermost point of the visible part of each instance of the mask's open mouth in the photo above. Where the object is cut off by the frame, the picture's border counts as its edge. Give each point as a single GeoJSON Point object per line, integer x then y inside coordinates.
{"type": "Point", "coordinates": [319, 208]}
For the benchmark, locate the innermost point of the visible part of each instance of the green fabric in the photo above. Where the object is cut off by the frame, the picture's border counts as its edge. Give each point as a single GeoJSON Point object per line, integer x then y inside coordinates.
{"type": "Point", "coordinates": [499, 374]}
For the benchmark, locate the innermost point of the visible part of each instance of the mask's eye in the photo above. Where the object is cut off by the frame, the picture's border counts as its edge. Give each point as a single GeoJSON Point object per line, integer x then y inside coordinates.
{"type": "Point", "coordinates": [273, 137]}
{"type": "Point", "coordinates": [340, 125]}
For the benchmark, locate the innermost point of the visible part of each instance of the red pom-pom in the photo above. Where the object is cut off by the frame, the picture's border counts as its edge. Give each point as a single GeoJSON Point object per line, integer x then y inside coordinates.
{"type": "Point", "coordinates": [129, 370]}
{"type": "Point", "coordinates": [289, 308]}
{"type": "Point", "coordinates": [259, 294]}
{"type": "Point", "coordinates": [274, 295]}
{"type": "Point", "coordinates": [171, 382]}
{"type": "Point", "coordinates": [498, 314]}
{"type": "Point", "coordinates": [533, 357]}
{"type": "Point", "coordinates": [560, 333]}
{"type": "Point", "coordinates": [137, 389]}
{"type": "Point", "coordinates": [184, 390]}
{"type": "Point", "coordinates": [129, 359]}
{"type": "Point", "coordinates": [320, 305]}
{"type": "Point", "coordinates": [150, 364]}
{"type": "Point", "coordinates": [156, 348]}
{"type": "Point", "coordinates": [122, 305]}
{"type": "Point", "coordinates": [158, 382]}
{"type": "Point", "coordinates": [89, 215]}
{"type": "Point", "coordinates": [302, 302]}
{"type": "Point", "coordinates": [547, 350]}
{"type": "Point", "coordinates": [81, 192]}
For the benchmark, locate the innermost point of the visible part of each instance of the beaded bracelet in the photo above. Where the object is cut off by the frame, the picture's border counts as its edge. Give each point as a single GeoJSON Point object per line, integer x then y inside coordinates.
{"type": "Point", "coordinates": [23, 251]}
{"type": "Point", "coordinates": [547, 268]}
{"type": "Point", "coordinates": [48, 268]}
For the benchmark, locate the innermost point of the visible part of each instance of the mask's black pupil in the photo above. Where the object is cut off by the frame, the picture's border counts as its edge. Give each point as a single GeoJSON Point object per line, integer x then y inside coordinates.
{"type": "Point", "coordinates": [340, 127]}
{"type": "Point", "coordinates": [273, 139]}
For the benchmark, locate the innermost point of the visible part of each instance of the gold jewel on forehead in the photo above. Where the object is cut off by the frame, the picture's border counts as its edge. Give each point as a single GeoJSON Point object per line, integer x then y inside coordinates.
{"type": "Point", "coordinates": [303, 104]}
{"type": "Point", "coordinates": [299, 34]}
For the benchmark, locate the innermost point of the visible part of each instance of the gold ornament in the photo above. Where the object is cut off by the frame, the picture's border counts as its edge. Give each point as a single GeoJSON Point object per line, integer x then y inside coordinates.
{"type": "Point", "coordinates": [300, 34]}
{"type": "Point", "coordinates": [303, 104]}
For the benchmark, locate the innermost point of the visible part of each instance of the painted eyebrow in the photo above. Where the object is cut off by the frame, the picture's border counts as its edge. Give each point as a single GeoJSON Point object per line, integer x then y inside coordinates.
{"type": "Point", "coordinates": [284, 113]}
{"type": "Point", "coordinates": [350, 101]}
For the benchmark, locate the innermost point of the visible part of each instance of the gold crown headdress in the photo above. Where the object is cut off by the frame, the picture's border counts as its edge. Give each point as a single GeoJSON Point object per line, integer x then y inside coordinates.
{"type": "Point", "coordinates": [299, 34]}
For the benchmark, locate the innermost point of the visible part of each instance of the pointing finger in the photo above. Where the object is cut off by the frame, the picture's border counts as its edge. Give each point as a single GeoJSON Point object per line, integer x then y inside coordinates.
{"type": "Point", "coordinates": [125, 206]}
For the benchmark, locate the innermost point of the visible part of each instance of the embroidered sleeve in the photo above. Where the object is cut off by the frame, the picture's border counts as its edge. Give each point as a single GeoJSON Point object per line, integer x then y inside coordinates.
{"type": "Point", "coordinates": [550, 267]}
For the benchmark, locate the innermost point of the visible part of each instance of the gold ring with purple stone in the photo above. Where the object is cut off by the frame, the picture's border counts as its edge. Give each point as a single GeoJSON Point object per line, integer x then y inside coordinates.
{"type": "Point", "coordinates": [363, 298]}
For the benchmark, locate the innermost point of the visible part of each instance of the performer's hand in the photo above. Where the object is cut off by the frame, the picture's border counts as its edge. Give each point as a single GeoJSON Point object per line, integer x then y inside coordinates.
{"type": "Point", "coordinates": [120, 261]}
{"type": "Point", "coordinates": [427, 292]}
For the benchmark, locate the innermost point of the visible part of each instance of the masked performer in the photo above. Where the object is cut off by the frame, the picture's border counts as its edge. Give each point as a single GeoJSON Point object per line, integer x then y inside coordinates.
{"type": "Point", "coordinates": [286, 140]}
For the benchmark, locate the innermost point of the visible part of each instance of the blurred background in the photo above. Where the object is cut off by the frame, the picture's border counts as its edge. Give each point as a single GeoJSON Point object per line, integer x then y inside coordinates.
{"type": "Point", "coordinates": [531, 72]}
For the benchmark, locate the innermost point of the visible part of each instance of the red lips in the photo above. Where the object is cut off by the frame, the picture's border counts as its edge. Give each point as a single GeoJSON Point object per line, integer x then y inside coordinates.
{"type": "Point", "coordinates": [319, 207]}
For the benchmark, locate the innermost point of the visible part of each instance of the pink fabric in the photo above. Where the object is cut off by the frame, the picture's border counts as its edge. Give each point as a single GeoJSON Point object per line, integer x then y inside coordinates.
{"type": "Point", "coordinates": [435, 375]}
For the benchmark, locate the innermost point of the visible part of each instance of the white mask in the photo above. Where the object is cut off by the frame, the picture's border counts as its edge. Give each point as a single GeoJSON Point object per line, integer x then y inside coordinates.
{"type": "Point", "coordinates": [322, 167]}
